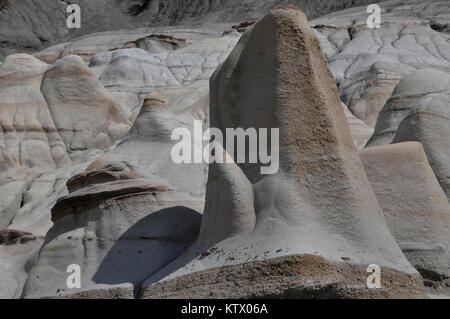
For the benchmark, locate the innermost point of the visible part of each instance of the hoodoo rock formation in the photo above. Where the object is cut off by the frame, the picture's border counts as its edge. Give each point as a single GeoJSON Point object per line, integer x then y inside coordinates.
{"type": "Point", "coordinates": [88, 175]}
{"type": "Point", "coordinates": [119, 222]}
{"type": "Point", "coordinates": [419, 110]}
{"type": "Point", "coordinates": [33, 24]}
{"type": "Point", "coordinates": [118, 227]}
{"type": "Point", "coordinates": [51, 115]}
{"type": "Point", "coordinates": [317, 218]}
{"type": "Point", "coordinates": [415, 207]}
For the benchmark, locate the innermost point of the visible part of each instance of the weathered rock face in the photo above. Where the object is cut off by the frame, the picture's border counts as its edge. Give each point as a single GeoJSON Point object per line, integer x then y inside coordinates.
{"type": "Point", "coordinates": [18, 249]}
{"type": "Point", "coordinates": [27, 25]}
{"type": "Point", "coordinates": [419, 110]}
{"type": "Point", "coordinates": [51, 119]}
{"type": "Point", "coordinates": [11, 237]}
{"type": "Point", "coordinates": [415, 207]}
{"type": "Point", "coordinates": [118, 227]}
{"type": "Point", "coordinates": [181, 76]}
{"type": "Point", "coordinates": [30, 192]}
{"type": "Point", "coordinates": [28, 132]}
{"type": "Point", "coordinates": [10, 201]}
{"type": "Point", "coordinates": [360, 131]}
{"type": "Point", "coordinates": [52, 114]}
{"type": "Point", "coordinates": [85, 114]}
{"type": "Point", "coordinates": [148, 146]}
{"type": "Point", "coordinates": [44, 143]}
{"type": "Point", "coordinates": [319, 203]}
{"type": "Point", "coordinates": [369, 63]}
{"type": "Point", "coordinates": [123, 219]}
{"type": "Point", "coordinates": [33, 24]}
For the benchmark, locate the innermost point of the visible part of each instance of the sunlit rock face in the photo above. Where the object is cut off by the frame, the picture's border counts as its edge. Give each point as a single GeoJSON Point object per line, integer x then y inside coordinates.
{"type": "Point", "coordinates": [369, 63]}
{"type": "Point", "coordinates": [65, 112]}
{"type": "Point", "coordinates": [53, 115]}
{"type": "Point", "coordinates": [419, 110]}
{"type": "Point", "coordinates": [318, 207]}
{"type": "Point", "coordinates": [28, 132]}
{"type": "Point", "coordinates": [118, 227]}
{"type": "Point", "coordinates": [52, 119]}
{"type": "Point", "coordinates": [415, 206]}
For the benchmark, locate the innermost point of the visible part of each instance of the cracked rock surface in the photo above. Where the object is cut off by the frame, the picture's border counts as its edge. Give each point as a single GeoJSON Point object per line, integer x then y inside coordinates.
{"type": "Point", "coordinates": [419, 110]}
{"type": "Point", "coordinates": [33, 24]}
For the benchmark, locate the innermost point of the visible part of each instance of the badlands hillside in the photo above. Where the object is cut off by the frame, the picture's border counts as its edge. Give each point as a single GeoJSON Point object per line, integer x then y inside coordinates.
{"type": "Point", "coordinates": [87, 176]}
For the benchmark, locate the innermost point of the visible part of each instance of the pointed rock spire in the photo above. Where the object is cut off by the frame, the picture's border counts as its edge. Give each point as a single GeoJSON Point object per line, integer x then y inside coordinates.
{"type": "Point", "coordinates": [318, 209]}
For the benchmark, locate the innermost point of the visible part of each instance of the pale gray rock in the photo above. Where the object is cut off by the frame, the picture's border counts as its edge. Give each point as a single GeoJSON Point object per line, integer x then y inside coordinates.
{"type": "Point", "coordinates": [147, 149]}
{"type": "Point", "coordinates": [118, 227]}
{"type": "Point", "coordinates": [145, 38]}
{"type": "Point", "coordinates": [10, 201]}
{"type": "Point", "coordinates": [43, 189]}
{"type": "Point", "coordinates": [33, 24]}
{"type": "Point", "coordinates": [416, 209]}
{"type": "Point", "coordinates": [419, 110]}
{"type": "Point", "coordinates": [42, 184]}
{"type": "Point", "coordinates": [52, 118]}
{"type": "Point", "coordinates": [85, 114]}
{"type": "Point", "coordinates": [177, 62]}
{"type": "Point", "coordinates": [369, 63]}
{"type": "Point", "coordinates": [28, 135]}
{"type": "Point", "coordinates": [318, 205]}
{"type": "Point", "coordinates": [130, 74]}
{"type": "Point", "coordinates": [53, 115]}
{"type": "Point", "coordinates": [16, 257]}
{"type": "Point", "coordinates": [126, 216]}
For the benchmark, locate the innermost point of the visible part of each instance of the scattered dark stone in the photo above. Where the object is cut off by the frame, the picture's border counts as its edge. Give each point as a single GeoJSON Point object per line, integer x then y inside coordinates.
{"type": "Point", "coordinates": [430, 275]}
{"type": "Point", "coordinates": [3, 4]}
{"type": "Point", "coordinates": [12, 237]}
{"type": "Point", "coordinates": [440, 27]}
{"type": "Point", "coordinates": [430, 284]}
{"type": "Point", "coordinates": [242, 27]}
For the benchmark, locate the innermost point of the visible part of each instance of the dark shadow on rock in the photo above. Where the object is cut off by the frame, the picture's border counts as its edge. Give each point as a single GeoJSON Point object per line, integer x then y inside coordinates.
{"type": "Point", "coordinates": [149, 245]}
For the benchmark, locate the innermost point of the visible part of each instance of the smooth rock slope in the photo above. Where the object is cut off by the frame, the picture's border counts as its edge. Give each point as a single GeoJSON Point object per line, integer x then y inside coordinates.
{"type": "Point", "coordinates": [416, 209]}
{"type": "Point", "coordinates": [419, 110]}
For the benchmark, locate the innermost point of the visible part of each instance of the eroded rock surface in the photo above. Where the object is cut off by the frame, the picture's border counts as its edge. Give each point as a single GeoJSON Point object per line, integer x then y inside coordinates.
{"type": "Point", "coordinates": [419, 110]}
{"type": "Point", "coordinates": [34, 24]}
{"type": "Point", "coordinates": [45, 140]}
{"type": "Point", "coordinates": [18, 250]}
{"type": "Point", "coordinates": [318, 203]}
{"type": "Point", "coordinates": [369, 63]}
{"type": "Point", "coordinates": [52, 119]}
{"type": "Point", "coordinates": [416, 209]}
{"type": "Point", "coordinates": [118, 227]}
